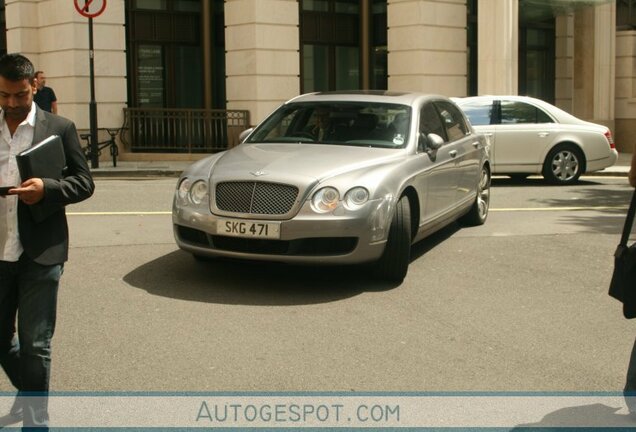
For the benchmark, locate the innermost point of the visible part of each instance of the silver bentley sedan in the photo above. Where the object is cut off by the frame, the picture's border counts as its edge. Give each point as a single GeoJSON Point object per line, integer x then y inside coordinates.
{"type": "Point", "coordinates": [337, 178]}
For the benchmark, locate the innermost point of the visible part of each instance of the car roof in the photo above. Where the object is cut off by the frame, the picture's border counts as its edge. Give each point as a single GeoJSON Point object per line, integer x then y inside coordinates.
{"type": "Point", "coordinates": [382, 96]}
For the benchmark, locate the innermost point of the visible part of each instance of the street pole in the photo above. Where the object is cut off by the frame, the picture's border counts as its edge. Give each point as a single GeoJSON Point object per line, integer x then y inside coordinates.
{"type": "Point", "coordinates": [92, 104]}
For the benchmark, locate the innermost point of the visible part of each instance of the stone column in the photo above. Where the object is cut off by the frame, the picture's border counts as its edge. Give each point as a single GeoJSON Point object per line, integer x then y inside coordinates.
{"type": "Point", "coordinates": [262, 54]}
{"type": "Point", "coordinates": [625, 121]}
{"type": "Point", "coordinates": [427, 46]}
{"type": "Point", "coordinates": [564, 48]}
{"type": "Point", "coordinates": [55, 38]}
{"type": "Point", "coordinates": [594, 63]}
{"type": "Point", "coordinates": [498, 47]}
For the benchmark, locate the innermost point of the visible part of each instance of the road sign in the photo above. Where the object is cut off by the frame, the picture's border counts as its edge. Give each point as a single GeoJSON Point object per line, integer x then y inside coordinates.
{"type": "Point", "coordinates": [90, 8]}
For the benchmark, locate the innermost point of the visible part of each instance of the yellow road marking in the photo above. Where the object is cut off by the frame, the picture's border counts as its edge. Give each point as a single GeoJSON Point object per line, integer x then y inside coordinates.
{"type": "Point", "coordinates": [512, 209]}
{"type": "Point", "coordinates": [533, 209]}
{"type": "Point", "coordinates": [137, 213]}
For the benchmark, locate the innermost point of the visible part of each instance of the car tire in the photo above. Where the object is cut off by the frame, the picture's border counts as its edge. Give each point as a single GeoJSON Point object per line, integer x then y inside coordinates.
{"type": "Point", "coordinates": [564, 165]}
{"type": "Point", "coordinates": [394, 263]}
{"type": "Point", "coordinates": [479, 211]}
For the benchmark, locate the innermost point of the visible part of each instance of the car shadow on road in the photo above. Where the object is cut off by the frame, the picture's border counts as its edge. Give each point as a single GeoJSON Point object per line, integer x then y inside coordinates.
{"type": "Point", "coordinates": [422, 247]}
{"type": "Point", "coordinates": [226, 281]}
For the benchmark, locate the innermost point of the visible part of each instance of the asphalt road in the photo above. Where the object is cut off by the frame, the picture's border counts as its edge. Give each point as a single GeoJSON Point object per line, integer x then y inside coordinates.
{"type": "Point", "coordinates": [519, 304]}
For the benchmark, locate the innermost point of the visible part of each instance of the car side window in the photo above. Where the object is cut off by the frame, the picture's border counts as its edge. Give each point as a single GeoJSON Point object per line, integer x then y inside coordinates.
{"type": "Point", "coordinates": [430, 121]}
{"type": "Point", "coordinates": [454, 121]}
{"type": "Point", "coordinates": [480, 112]}
{"type": "Point", "coordinates": [513, 112]}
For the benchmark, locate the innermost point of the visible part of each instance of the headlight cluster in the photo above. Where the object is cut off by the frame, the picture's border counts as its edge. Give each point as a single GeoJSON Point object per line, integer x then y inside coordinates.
{"type": "Point", "coordinates": [194, 192]}
{"type": "Point", "coordinates": [326, 199]}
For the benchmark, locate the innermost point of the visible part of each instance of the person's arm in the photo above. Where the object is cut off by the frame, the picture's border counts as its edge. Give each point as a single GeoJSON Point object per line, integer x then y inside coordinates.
{"type": "Point", "coordinates": [76, 186]}
{"type": "Point", "coordinates": [632, 171]}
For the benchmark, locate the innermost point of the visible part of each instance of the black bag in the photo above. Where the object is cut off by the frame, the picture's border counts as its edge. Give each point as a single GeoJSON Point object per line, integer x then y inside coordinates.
{"type": "Point", "coordinates": [623, 284]}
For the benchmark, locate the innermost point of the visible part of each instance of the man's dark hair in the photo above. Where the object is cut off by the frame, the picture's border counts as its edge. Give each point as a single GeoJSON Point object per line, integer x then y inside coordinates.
{"type": "Point", "coordinates": [16, 67]}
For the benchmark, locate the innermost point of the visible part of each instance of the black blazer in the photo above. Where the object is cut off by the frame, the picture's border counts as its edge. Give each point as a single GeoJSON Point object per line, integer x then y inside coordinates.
{"type": "Point", "coordinates": [46, 242]}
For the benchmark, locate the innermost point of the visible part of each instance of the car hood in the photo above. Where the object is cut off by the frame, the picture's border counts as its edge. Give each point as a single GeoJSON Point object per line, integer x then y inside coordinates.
{"type": "Point", "coordinates": [297, 163]}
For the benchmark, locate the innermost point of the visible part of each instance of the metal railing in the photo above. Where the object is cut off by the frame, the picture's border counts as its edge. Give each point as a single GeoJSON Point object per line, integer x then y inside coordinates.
{"type": "Point", "coordinates": [175, 130]}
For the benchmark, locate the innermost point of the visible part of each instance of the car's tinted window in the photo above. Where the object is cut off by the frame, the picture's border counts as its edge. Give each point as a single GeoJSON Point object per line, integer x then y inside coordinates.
{"type": "Point", "coordinates": [430, 121]}
{"type": "Point", "coordinates": [514, 112]}
{"type": "Point", "coordinates": [346, 123]}
{"type": "Point", "coordinates": [480, 112]}
{"type": "Point", "coordinates": [453, 120]}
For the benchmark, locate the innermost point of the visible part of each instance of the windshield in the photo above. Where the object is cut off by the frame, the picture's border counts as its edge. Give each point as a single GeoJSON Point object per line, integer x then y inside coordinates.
{"type": "Point", "coordinates": [340, 123]}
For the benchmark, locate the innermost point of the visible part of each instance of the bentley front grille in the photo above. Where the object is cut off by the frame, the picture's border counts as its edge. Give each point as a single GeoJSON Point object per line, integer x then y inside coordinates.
{"type": "Point", "coordinates": [258, 198]}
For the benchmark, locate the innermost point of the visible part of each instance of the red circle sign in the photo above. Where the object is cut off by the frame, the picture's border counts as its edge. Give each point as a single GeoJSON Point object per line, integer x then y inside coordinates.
{"type": "Point", "coordinates": [91, 8]}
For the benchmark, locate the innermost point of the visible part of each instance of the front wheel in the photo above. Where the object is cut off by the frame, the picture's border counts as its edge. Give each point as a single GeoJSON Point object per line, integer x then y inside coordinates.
{"type": "Point", "coordinates": [394, 263]}
{"type": "Point", "coordinates": [564, 165]}
{"type": "Point", "coordinates": [479, 211]}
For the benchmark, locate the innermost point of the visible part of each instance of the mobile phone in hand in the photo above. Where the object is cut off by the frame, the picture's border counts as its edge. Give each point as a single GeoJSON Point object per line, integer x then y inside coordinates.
{"type": "Point", "coordinates": [4, 190]}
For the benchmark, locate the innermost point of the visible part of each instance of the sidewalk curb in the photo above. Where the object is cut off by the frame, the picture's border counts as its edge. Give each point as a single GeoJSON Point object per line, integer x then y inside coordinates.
{"type": "Point", "coordinates": [611, 173]}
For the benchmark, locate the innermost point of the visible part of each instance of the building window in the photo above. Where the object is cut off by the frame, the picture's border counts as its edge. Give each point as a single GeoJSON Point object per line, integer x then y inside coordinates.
{"type": "Point", "coordinates": [536, 61]}
{"type": "Point", "coordinates": [471, 34]}
{"type": "Point", "coordinates": [536, 52]}
{"type": "Point", "coordinates": [625, 14]}
{"type": "Point", "coordinates": [165, 60]}
{"type": "Point", "coordinates": [379, 54]}
{"type": "Point", "coordinates": [330, 44]}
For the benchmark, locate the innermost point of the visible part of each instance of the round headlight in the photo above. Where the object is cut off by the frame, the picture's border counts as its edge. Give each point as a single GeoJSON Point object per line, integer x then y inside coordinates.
{"type": "Point", "coordinates": [325, 200]}
{"type": "Point", "coordinates": [356, 197]}
{"type": "Point", "coordinates": [198, 192]}
{"type": "Point", "coordinates": [183, 189]}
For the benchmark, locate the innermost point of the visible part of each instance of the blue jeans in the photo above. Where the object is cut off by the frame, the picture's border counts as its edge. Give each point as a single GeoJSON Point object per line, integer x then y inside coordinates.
{"type": "Point", "coordinates": [28, 291]}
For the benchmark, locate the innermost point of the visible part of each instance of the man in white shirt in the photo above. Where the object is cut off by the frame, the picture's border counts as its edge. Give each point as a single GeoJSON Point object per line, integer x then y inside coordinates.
{"type": "Point", "coordinates": [33, 249]}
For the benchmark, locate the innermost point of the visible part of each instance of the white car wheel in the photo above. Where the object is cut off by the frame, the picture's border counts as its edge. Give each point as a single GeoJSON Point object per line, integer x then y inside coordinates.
{"type": "Point", "coordinates": [564, 165]}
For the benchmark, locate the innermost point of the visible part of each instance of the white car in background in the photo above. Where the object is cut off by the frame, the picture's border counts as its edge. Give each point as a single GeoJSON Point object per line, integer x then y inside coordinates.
{"type": "Point", "coordinates": [530, 136]}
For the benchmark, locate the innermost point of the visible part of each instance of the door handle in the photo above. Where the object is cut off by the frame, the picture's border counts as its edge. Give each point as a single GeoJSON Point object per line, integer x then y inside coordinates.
{"type": "Point", "coordinates": [452, 153]}
{"type": "Point", "coordinates": [543, 134]}
{"type": "Point", "coordinates": [488, 134]}
{"type": "Point", "coordinates": [476, 144]}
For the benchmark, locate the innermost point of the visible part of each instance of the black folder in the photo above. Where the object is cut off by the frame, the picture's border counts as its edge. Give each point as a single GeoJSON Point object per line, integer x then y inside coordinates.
{"type": "Point", "coordinates": [43, 160]}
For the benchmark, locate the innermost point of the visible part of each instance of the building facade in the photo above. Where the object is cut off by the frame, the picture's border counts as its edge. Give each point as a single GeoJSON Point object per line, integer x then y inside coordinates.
{"type": "Point", "coordinates": [213, 60]}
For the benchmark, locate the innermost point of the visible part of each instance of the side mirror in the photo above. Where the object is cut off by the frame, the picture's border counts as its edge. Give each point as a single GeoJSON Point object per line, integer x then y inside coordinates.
{"type": "Point", "coordinates": [245, 134]}
{"type": "Point", "coordinates": [430, 142]}
{"type": "Point", "coordinates": [434, 141]}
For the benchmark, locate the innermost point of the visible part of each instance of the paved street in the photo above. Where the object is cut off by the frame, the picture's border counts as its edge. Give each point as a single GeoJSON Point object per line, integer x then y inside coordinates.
{"type": "Point", "coordinates": [519, 304]}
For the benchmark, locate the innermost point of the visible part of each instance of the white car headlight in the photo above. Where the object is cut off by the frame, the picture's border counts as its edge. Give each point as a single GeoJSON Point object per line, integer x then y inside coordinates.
{"type": "Point", "coordinates": [198, 192]}
{"type": "Point", "coordinates": [356, 197]}
{"type": "Point", "coordinates": [325, 200]}
{"type": "Point", "coordinates": [183, 190]}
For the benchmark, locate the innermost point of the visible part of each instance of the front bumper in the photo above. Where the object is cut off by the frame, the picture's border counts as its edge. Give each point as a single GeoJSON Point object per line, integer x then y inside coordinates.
{"type": "Point", "coordinates": [308, 238]}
